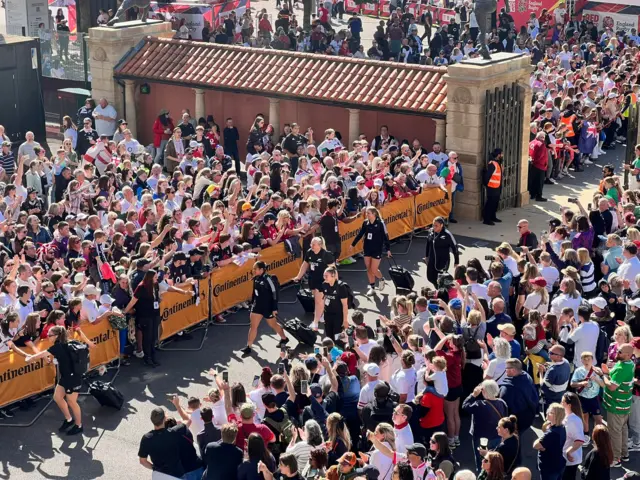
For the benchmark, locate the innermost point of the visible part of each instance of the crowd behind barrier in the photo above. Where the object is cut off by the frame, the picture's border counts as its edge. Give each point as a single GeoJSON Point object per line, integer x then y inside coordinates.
{"type": "Point", "coordinates": [20, 380]}
{"type": "Point", "coordinates": [232, 284]}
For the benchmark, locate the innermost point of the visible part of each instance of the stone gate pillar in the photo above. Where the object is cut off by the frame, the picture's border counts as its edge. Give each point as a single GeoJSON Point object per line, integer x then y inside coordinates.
{"type": "Point", "coordinates": [107, 46]}
{"type": "Point", "coordinates": [467, 84]}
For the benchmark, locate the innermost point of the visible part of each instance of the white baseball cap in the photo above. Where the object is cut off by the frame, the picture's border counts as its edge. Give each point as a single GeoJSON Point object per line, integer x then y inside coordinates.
{"type": "Point", "coordinates": [372, 369]}
{"type": "Point", "coordinates": [598, 302]}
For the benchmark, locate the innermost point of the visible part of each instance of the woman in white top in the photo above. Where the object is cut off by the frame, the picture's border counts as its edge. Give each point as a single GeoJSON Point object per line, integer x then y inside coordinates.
{"type": "Point", "coordinates": [379, 356]}
{"type": "Point", "coordinates": [263, 386]}
{"type": "Point", "coordinates": [385, 435]}
{"type": "Point", "coordinates": [8, 330]}
{"type": "Point", "coordinates": [569, 298]}
{"type": "Point", "coordinates": [538, 299]}
{"type": "Point", "coordinates": [403, 381]}
{"type": "Point", "coordinates": [575, 433]}
{"type": "Point", "coordinates": [497, 367]}
{"type": "Point", "coordinates": [9, 296]}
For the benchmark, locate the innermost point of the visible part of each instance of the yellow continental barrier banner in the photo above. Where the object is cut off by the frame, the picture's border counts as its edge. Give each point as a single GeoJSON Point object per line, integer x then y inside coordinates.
{"type": "Point", "coordinates": [431, 204]}
{"type": "Point", "coordinates": [280, 263]}
{"type": "Point", "coordinates": [179, 311]}
{"type": "Point", "coordinates": [107, 342]}
{"type": "Point", "coordinates": [231, 285]}
{"type": "Point", "coordinates": [399, 216]}
{"type": "Point", "coordinates": [348, 232]}
{"type": "Point", "coordinates": [19, 380]}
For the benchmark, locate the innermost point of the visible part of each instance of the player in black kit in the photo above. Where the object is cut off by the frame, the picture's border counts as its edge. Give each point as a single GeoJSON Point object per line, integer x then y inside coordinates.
{"type": "Point", "coordinates": [316, 260]}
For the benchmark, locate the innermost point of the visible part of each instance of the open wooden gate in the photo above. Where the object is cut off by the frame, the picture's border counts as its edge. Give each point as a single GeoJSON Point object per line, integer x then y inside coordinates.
{"type": "Point", "coordinates": [504, 112]}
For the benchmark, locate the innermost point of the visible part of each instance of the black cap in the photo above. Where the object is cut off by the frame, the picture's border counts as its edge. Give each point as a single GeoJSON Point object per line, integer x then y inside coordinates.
{"type": "Point", "coordinates": [417, 449]}
{"type": "Point", "coordinates": [270, 216]}
{"type": "Point", "coordinates": [121, 121]}
{"type": "Point", "coordinates": [381, 390]}
{"type": "Point", "coordinates": [194, 251]}
{"type": "Point", "coordinates": [189, 151]}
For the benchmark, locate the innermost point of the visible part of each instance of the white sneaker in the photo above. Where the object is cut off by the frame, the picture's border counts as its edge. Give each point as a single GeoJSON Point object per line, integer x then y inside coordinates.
{"type": "Point", "coordinates": [314, 326]}
{"type": "Point", "coordinates": [634, 447]}
{"type": "Point", "coordinates": [560, 175]}
{"type": "Point", "coordinates": [565, 170]}
{"type": "Point", "coordinates": [370, 290]}
{"type": "Point", "coordinates": [138, 354]}
{"type": "Point", "coordinates": [588, 162]}
{"type": "Point", "coordinates": [381, 284]}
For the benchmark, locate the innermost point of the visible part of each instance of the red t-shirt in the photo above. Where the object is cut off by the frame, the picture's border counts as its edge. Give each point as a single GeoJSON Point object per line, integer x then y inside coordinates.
{"type": "Point", "coordinates": [454, 367]}
{"type": "Point", "coordinates": [269, 233]}
{"type": "Point", "coordinates": [323, 14]}
{"type": "Point", "coordinates": [246, 429]}
{"type": "Point", "coordinates": [435, 415]}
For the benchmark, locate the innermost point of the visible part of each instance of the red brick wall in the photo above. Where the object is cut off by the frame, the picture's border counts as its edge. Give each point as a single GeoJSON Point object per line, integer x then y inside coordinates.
{"type": "Point", "coordinates": [243, 109]}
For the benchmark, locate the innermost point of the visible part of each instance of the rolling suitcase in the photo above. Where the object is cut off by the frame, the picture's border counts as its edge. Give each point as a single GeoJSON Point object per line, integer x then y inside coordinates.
{"type": "Point", "coordinates": [106, 394]}
{"type": "Point", "coordinates": [400, 276]}
{"type": "Point", "coordinates": [305, 297]}
{"type": "Point", "coordinates": [300, 331]}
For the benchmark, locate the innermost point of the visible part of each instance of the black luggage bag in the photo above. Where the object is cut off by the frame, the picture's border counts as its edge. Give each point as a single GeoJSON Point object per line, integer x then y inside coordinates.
{"type": "Point", "coordinates": [305, 297]}
{"type": "Point", "coordinates": [299, 331]}
{"type": "Point", "coordinates": [401, 277]}
{"type": "Point", "coordinates": [106, 394]}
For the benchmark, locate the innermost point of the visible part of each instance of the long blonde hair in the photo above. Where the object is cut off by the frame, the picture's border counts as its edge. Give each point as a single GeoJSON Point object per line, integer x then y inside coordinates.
{"type": "Point", "coordinates": [337, 428]}
{"type": "Point", "coordinates": [387, 433]}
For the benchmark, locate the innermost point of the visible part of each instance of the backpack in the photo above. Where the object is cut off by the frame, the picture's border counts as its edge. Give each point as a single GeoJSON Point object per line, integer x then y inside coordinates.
{"type": "Point", "coordinates": [471, 347]}
{"type": "Point", "coordinates": [79, 354]}
{"type": "Point", "coordinates": [284, 431]}
{"type": "Point", "coordinates": [351, 298]}
{"type": "Point", "coordinates": [602, 346]}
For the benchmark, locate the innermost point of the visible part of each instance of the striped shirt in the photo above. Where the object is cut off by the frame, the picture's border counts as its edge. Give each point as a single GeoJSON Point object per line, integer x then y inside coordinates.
{"type": "Point", "coordinates": [8, 162]}
{"type": "Point", "coordinates": [618, 401]}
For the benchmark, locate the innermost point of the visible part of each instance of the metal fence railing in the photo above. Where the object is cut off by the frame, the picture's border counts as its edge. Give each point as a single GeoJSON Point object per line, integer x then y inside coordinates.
{"type": "Point", "coordinates": [64, 55]}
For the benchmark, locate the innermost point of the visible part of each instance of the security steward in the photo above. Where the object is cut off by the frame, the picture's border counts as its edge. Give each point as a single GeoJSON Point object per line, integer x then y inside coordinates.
{"type": "Point", "coordinates": [492, 181]}
{"type": "Point", "coordinates": [440, 243]}
{"type": "Point", "coordinates": [265, 305]}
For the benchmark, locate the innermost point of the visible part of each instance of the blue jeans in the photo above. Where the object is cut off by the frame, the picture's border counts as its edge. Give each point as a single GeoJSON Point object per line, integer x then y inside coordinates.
{"type": "Point", "coordinates": [194, 474]}
{"type": "Point", "coordinates": [159, 158]}
{"type": "Point", "coordinates": [124, 334]}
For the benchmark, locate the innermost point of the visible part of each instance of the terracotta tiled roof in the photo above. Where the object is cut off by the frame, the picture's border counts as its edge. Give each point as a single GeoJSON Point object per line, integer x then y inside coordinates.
{"type": "Point", "coordinates": [327, 79]}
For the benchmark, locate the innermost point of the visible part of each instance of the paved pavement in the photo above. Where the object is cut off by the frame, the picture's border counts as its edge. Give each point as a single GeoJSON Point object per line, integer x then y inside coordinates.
{"type": "Point", "coordinates": [109, 447]}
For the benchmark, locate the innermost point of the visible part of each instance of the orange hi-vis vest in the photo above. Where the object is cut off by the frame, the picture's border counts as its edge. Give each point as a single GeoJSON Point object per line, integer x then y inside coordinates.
{"type": "Point", "coordinates": [496, 177]}
{"type": "Point", "coordinates": [568, 121]}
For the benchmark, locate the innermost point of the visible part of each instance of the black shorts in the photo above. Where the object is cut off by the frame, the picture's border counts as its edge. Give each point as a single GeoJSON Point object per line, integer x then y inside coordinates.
{"type": "Point", "coordinates": [590, 405]}
{"type": "Point", "coordinates": [454, 394]}
{"type": "Point", "coordinates": [70, 385]}
{"type": "Point", "coordinates": [266, 315]}
{"type": "Point", "coordinates": [374, 255]}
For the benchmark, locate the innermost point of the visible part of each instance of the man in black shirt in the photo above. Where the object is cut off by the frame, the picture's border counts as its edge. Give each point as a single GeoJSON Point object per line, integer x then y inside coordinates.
{"type": "Point", "coordinates": [292, 142]}
{"type": "Point", "coordinates": [527, 237]}
{"type": "Point", "coordinates": [187, 129]}
{"type": "Point", "coordinates": [210, 433]}
{"type": "Point", "coordinates": [223, 458]}
{"type": "Point", "coordinates": [231, 138]}
{"type": "Point", "coordinates": [86, 138]}
{"type": "Point", "coordinates": [329, 227]}
{"type": "Point", "coordinates": [161, 445]}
